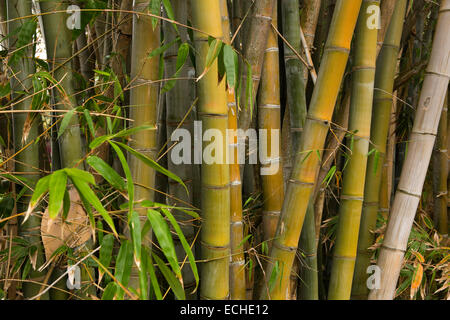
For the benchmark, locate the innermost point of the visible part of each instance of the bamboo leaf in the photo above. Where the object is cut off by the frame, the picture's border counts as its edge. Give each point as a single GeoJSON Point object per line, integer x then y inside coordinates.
{"type": "Point", "coordinates": [153, 164]}
{"type": "Point", "coordinates": [163, 48]}
{"type": "Point", "coordinates": [123, 267]}
{"type": "Point", "coordinates": [57, 186]}
{"type": "Point", "coordinates": [183, 52]}
{"type": "Point", "coordinates": [41, 188]}
{"type": "Point", "coordinates": [135, 228]}
{"type": "Point", "coordinates": [65, 122]}
{"type": "Point", "coordinates": [84, 190]}
{"type": "Point", "coordinates": [89, 121]}
{"type": "Point", "coordinates": [153, 279]}
{"type": "Point", "coordinates": [110, 291]}
{"type": "Point", "coordinates": [185, 245]}
{"type": "Point", "coordinates": [106, 172]}
{"type": "Point", "coordinates": [80, 174]}
{"type": "Point", "coordinates": [126, 169]}
{"type": "Point", "coordinates": [229, 60]}
{"type": "Point", "coordinates": [162, 232]}
{"type": "Point", "coordinates": [106, 250]}
{"type": "Point", "coordinates": [173, 282]}
{"type": "Point", "coordinates": [169, 11]}
{"type": "Point", "coordinates": [155, 8]}
{"type": "Point", "coordinates": [416, 280]}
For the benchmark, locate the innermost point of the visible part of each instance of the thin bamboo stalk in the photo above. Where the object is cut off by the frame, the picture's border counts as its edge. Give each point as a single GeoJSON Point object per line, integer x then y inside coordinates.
{"type": "Point", "coordinates": [440, 176]}
{"type": "Point", "coordinates": [25, 130]}
{"type": "Point", "coordinates": [143, 110]}
{"type": "Point", "coordinates": [255, 41]}
{"type": "Point", "coordinates": [420, 147]}
{"type": "Point", "coordinates": [215, 177]}
{"type": "Point", "coordinates": [384, 82]}
{"type": "Point", "coordinates": [237, 263]}
{"type": "Point", "coordinates": [308, 21]}
{"type": "Point", "coordinates": [178, 101]}
{"type": "Point", "coordinates": [388, 166]}
{"type": "Point", "coordinates": [351, 200]}
{"type": "Point", "coordinates": [302, 181]}
{"type": "Point", "coordinates": [386, 10]}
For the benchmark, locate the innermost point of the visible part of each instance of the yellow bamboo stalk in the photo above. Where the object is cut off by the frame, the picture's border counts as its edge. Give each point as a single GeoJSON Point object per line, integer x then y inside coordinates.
{"type": "Point", "coordinates": [302, 181]}
{"type": "Point", "coordinates": [414, 169]}
{"type": "Point", "coordinates": [215, 178]}
{"type": "Point", "coordinates": [143, 110]}
{"type": "Point", "coordinates": [237, 263]}
{"type": "Point", "coordinates": [351, 200]}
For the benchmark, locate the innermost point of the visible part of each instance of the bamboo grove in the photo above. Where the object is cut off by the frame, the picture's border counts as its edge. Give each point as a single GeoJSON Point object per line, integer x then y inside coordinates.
{"type": "Point", "coordinates": [224, 149]}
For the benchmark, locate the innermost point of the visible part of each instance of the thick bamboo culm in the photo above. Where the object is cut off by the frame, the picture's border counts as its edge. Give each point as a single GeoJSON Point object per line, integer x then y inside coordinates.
{"type": "Point", "coordinates": [215, 178]}
{"type": "Point", "coordinates": [237, 263]}
{"type": "Point", "coordinates": [351, 200]}
{"type": "Point", "coordinates": [178, 101]}
{"type": "Point", "coordinates": [59, 51]}
{"type": "Point", "coordinates": [306, 163]}
{"type": "Point", "coordinates": [254, 42]}
{"type": "Point", "coordinates": [382, 104]}
{"type": "Point", "coordinates": [27, 160]}
{"type": "Point", "coordinates": [386, 11]}
{"type": "Point", "coordinates": [420, 146]}
{"type": "Point", "coordinates": [143, 110]}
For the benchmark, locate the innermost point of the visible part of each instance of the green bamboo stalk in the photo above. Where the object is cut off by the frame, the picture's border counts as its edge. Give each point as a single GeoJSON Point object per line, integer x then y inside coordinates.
{"type": "Point", "coordinates": [215, 177]}
{"type": "Point", "coordinates": [59, 51]}
{"type": "Point", "coordinates": [143, 110]}
{"type": "Point", "coordinates": [237, 264]}
{"type": "Point", "coordinates": [354, 176]}
{"type": "Point", "coordinates": [384, 81]}
{"type": "Point", "coordinates": [26, 161]}
{"type": "Point", "coordinates": [178, 101]}
{"type": "Point", "coordinates": [302, 181]}
{"type": "Point", "coordinates": [420, 145]}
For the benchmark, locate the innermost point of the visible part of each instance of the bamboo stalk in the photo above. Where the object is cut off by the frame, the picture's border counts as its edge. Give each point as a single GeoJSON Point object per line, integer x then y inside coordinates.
{"type": "Point", "coordinates": [25, 130]}
{"type": "Point", "coordinates": [255, 41]}
{"type": "Point", "coordinates": [440, 176]}
{"type": "Point", "coordinates": [237, 263]}
{"type": "Point", "coordinates": [302, 181]}
{"type": "Point", "coordinates": [178, 101]}
{"type": "Point", "coordinates": [59, 51]}
{"type": "Point", "coordinates": [308, 21]}
{"type": "Point", "coordinates": [384, 81]}
{"type": "Point", "coordinates": [420, 147]}
{"type": "Point", "coordinates": [351, 200]}
{"type": "Point", "coordinates": [143, 110]}
{"type": "Point", "coordinates": [215, 177]}
{"type": "Point", "coordinates": [386, 10]}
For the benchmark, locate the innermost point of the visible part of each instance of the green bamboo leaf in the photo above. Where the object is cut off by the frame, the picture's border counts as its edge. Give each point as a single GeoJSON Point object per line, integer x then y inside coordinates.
{"type": "Point", "coordinates": [41, 188]}
{"type": "Point", "coordinates": [65, 122]}
{"type": "Point", "coordinates": [169, 11]}
{"type": "Point", "coordinates": [66, 204]}
{"type": "Point", "coordinates": [106, 250]}
{"type": "Point", "coordinates": [152, 273]}
{"type": "Point", "coordinates": [110, 291]}
{"type": "Point", "coordinates": [84, 190]}
{"type": "Point", "coordinates": [143, 278]}
{"type": "Point", "coordinates": [229, 60]}
{"type": "Point", "coordinates": [153, 164]}
{"type": "Point", "coordinates": [126, 169]}
{"type": "Point", "coordinates": [162, 232]}
{"type": "Point", "coordinates": [135, 228]}
{"type": "Point", "coordinates": [155, 8]}
{"type": "Point", "coordinates": [183, 52]}
{"type": "Point", "coordinates": [57, 186]}
{"type": "Point", "coordinates": [123, 267]}
{"type": "Point", "coordinates": [106, 172]}
{"type": "Point", "coordinates": [89, 121]}
{"type": "Point", "coordinates": [163, 48]}
{"type": "Point", "coordinates": [173, 282]}
{"type": "Point", "coordinates": [185, 245]}
{"type": "Point", "coordinates": [126, 132]}
{"type": "Point", "coordinates": [80, 174]}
